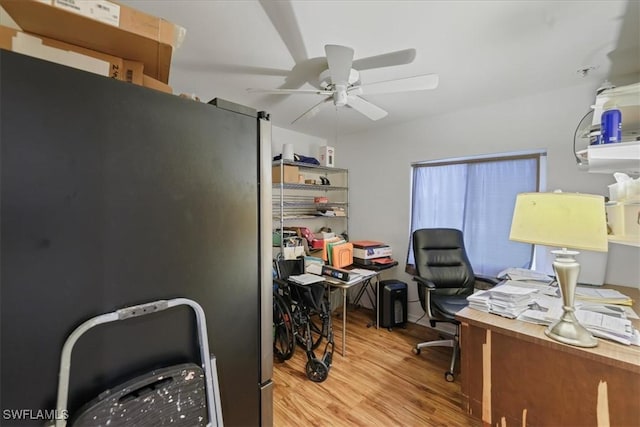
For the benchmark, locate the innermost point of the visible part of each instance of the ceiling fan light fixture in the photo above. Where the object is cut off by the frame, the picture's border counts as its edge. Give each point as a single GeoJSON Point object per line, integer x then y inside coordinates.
{"type": "Point", "coordinates": [340, 96]}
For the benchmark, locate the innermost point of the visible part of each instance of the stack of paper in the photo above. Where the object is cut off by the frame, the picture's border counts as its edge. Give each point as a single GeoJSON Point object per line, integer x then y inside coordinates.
{"type": "Point", "coordinates": [541, 287]}
{"type": "Point", "coordinates": [602, 296]}
{"type": "Point", "coordinates": [363, 272]}
{"type": "Point", "coordinates": [605, 326]}
{"type": "Point", "coordinates": [510, 301]}
{"type": "Point", "coordinates": [610, 322]}
{"type": "Point", "coordinates": [524, 274]}
{"type": "Point", "coordinates": [505, 300]}
{"type": "Point", "coordinates": [535, 316]}
{"type": "Point", "coordinates": [306, 279]}
{"type": "Point", "coordinates": [480, 301]}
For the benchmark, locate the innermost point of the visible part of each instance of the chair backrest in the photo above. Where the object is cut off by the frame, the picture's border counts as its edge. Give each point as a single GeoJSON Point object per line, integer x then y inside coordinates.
{"type": "Point", "coordinates": [289, 267]}
{"type": "Point", "coordinates": [441, 258]}
{"type": "Point", "coordinates": [312, 295]}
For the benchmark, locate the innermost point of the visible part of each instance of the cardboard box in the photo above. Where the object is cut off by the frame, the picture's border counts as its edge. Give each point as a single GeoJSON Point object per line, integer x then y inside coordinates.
{"type": "Point", "coordinates": [133, 72]}
{"type": "Point", "coordinates": [103, 26]}
{"type": "Point", "coordinates": [155, 84]}
{"type": "Point", "coordinates": [372, 252]}
{"type": "Point", "coordinates": [363, 244]}
{"type": "Point", "coordinates": [624, 219]}
{"type": "Point", "coordinates": [615, 218]}
{"type": "Point", "coordinates": [632, 219]}
{"type": "Point", "coordinates": [290, 174]}
{"type": "Point", "coordinates": [61, 53]}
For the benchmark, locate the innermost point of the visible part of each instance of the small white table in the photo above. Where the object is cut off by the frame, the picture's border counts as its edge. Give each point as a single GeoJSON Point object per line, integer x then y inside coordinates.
{"type": "Point", "coordinates": [344, 287]}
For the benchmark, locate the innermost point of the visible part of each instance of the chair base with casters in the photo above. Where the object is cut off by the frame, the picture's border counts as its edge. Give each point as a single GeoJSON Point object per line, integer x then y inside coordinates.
{"type": "Point", "coordinates": [449, 375]}
{"type": "Point", "coordinates": [447, 307]}
{"type": "Point", "coordinates": [445, 280]}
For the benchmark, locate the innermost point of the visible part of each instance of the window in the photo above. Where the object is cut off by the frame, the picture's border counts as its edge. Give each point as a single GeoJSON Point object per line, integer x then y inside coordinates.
{"type": "Point", "coordinates": [477, 196]}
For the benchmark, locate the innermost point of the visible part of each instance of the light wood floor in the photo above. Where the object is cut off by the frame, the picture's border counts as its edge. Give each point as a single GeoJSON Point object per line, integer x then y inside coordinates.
{"type": "Point", "coordinates": [379, 383]}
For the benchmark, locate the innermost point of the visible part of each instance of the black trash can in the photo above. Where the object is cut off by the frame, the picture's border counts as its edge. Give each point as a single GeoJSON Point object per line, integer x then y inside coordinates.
{"type": "Point", "coordinates": [392, 303]}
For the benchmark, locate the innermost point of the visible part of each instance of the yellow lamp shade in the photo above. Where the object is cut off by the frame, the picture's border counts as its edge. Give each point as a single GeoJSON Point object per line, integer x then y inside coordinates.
{"type": "Point", "coordinates": [566, 220]}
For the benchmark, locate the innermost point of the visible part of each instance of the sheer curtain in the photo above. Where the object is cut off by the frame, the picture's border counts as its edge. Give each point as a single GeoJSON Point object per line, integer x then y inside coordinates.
{"type": "Point", "coordinates": [477, 198]}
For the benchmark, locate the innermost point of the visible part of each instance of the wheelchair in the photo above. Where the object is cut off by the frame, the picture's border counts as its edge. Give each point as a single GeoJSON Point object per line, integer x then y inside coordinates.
{"type": "Point", "coordinates": [302, 315]}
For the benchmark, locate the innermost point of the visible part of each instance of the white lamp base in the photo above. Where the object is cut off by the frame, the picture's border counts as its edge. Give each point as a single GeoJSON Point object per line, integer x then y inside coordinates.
{"type": "Point", "coordinates": [567, 330]}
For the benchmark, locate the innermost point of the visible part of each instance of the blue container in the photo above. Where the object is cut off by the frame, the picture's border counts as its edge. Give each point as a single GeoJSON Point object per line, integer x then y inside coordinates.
{"type": "Point", "coordinates": [611, 126]}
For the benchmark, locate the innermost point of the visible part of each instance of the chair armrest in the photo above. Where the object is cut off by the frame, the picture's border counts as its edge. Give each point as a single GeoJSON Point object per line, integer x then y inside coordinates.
{"type": "Point", "coordinates": [487, 282]}
{"type": "Point", "coordinates": [282, 284]}
{"type": "Point", "coordinates": [428, 284]}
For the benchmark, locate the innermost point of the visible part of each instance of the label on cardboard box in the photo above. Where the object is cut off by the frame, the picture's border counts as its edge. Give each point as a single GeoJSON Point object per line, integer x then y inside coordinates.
{"type": "Point", "coordinates": [100, 10]}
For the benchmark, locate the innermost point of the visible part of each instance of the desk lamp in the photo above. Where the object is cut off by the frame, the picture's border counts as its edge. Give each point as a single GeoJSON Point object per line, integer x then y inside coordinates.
{"type": "Point", "coordinates": [565, 220]}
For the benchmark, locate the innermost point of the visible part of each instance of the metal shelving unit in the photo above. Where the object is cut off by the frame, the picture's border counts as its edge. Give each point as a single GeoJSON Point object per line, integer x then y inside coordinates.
{"type": "Point", "coordinates": [294, 204]}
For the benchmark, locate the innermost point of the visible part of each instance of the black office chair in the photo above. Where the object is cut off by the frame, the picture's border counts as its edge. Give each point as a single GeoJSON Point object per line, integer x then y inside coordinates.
{"type": "Point", "coordinates": [445, 280]}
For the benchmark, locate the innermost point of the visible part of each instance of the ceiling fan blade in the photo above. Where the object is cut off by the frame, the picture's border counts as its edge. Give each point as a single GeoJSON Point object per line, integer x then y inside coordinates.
{"type": "Point", "coordinates": [284, 20]}
{"type": "Point", "coordinates": [399, 57]}
{"type": "Point", "coordinates": [365, 107]}
{"type": "Point", "coordinates": [339, 59]}
{"type": "Point", "coordinates": [291, 91]}
{"type": "Point", "coordinates": [313, 110]}
{"type": "Point", "coordinates": [422, 82]}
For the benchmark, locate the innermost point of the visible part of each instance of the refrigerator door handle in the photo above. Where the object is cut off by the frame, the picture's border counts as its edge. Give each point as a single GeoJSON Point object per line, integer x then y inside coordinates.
{"type": "Point", "coordinates": [266, 279]}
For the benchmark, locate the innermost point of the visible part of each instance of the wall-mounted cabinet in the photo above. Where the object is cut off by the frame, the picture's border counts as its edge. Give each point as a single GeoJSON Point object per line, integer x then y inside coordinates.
{"type": "Point", "coordinates": [306, 195]}
{"type": "Point", "coordinates": [623, 213]}
{"type": "Point", "coordinates": [622, 156]}
{"type": "Point", "coordinates": [623, 219]}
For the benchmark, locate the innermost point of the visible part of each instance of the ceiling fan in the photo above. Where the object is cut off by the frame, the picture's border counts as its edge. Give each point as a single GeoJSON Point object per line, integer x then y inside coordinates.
{"type": "Point", "coordinates": [341, 84]}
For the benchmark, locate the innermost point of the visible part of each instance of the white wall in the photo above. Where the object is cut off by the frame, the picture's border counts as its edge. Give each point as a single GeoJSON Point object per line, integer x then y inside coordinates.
{"type": "Point", "coordinates": [302, 144]}
{"type": "Point", "coordinates": [380, 180]}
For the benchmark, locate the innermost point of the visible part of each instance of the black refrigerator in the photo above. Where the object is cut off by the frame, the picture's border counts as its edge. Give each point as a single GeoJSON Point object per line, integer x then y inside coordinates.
{"type": "Point", "coordinates": [112, 195]}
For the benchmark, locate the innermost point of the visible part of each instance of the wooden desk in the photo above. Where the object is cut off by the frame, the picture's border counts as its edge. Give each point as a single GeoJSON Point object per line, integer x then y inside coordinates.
{"type": "Point", "coordinates": [513, 375]}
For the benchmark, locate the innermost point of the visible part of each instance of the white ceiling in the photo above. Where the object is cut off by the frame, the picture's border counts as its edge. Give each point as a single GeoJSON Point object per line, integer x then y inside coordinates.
{"type": "Point", "coordinates": [483, 51]}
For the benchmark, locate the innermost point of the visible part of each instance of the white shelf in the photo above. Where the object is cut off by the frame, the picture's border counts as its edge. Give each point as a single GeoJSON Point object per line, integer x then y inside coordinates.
{"type": "Point", "coordinates": [616, 157]}
{"type": "Point", "coordinates": [625, 240]}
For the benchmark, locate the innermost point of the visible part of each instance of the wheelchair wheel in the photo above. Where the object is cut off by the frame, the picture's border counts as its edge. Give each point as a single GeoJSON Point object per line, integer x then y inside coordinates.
{"type": "Point", "coordinates": [319, 323]}
{"type": "Point", "coordinates": [316, 370]}
{"type": "Point", "coordinates": [318, 326]}
{"type": "Point", "coordinates": [283, 332]}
